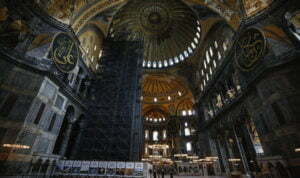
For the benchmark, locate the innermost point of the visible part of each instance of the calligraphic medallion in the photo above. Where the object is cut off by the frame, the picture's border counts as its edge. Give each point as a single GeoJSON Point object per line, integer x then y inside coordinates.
{"type": "Point", "coordinates": [250, 48]}
{"type": "Point", "coordinates": [64, 52]}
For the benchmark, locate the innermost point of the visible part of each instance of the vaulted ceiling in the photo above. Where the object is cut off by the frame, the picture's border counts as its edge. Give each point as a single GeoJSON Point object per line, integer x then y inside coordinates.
{"type": "Point", "coordinates": [174, 33]}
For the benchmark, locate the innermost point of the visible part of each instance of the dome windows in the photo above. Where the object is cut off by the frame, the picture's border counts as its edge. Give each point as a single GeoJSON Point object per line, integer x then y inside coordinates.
{"type": "Point", "coordinates": [211, 51]}
{"type": "Point", "coordinates": [149, 64]}
{"type": "Point", "coordinates": [190, 50]}
{"type": "Point", "coordinates": [216, 44]}
{"type": "Point", "coordinates": [196, 40]}
{"type": "Point", "coordinates": [181, 57]}
{"type": "Point", "coordinates": [179, 93]}
{"type": "Point", "coordinates": [219, 55]}
{"type": "Point", "coordinates": [186, 54]}
{"type": "Point", "coordinates": [207, 57]}
{"type": "Point", "coordinates": [176, 59]}
{"type": "Point", "coordinates": [159, 64]}
{"type": "Point", "coordinates": [199, 29]}
{"type": "Point", "coordinates": [193, 45]}
{"type": "Point", "coordinates": [154, 64]}
{"type": "Point", "coordinates": [165, 63]}
{"type": "Point", "coordinates": [171, 62]}
{"type": "Point", "coordinates": [224, 46]}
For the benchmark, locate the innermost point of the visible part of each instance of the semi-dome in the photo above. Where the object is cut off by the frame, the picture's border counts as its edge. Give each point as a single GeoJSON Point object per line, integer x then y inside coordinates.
{"type": "Point", "coordinates": [161, 88]}
{"type": "Point", "coordinates": [169, 29]}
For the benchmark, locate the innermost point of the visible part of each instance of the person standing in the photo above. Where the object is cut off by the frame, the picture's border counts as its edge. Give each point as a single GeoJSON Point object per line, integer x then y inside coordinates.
{"type": "Point", "coordinates": [154, 174]}
{"type": "Point", "coordinates": [171, 174]}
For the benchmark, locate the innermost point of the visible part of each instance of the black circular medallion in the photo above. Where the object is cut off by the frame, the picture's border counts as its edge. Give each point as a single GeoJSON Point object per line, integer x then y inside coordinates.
{"type": "Point", "coordinates": [250, 48]}
{"type": "Point", "coordinates": [64, 52]}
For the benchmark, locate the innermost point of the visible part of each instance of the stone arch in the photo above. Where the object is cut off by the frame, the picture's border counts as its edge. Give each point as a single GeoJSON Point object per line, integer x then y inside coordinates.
{"type": "Point", "coordinates": [74, 137]}
{"type": "Point", "coordinates": [281, 169]}
{"type": "Point", "coordinates": [64, 131]}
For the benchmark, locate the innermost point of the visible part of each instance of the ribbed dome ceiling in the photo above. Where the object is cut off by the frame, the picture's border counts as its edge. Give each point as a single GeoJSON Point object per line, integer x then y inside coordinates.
{"type": "Point", "coordinates": [169, 29]}
{"type": "Point", "coordinates": [162, 86]}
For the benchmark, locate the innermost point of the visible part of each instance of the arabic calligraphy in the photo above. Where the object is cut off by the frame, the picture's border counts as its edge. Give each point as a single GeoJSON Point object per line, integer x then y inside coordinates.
{"type": "Point", "coordinates": [250, 48]}
{"type": "Point", "coordinates": [64, 52]}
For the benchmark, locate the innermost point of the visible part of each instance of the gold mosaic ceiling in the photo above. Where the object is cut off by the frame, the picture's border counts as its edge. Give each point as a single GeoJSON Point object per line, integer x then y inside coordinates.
{"type": "Point", "coordinates": [160, 88]}
{"type": "Point", "coordinates": [169, 29]}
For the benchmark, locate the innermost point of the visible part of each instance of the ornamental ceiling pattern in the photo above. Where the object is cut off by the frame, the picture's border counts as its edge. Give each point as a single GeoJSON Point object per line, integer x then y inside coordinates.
{"type": "Point", "coordinates": [165, 92]}
{"type": "Point", "coordinates": [169, 29]}
{"type": "Point", "coordinates": [79, 12]}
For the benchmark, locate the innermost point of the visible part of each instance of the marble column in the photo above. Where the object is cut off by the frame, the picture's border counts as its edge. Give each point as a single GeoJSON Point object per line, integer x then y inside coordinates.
{"type": "Point", "coordinates": [242, 153]}
{"type": "Point", "coordinates": [65, 141]}
{"type": "Point", "coordinates": [224, 158]}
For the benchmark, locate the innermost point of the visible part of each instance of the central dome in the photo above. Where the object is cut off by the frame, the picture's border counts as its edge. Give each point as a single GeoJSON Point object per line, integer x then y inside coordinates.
{"type": "Point", "coordinates": [169, 29]}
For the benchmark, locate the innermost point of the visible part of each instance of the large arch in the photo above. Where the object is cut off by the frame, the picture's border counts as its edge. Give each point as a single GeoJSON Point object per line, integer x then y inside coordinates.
{"type": "Point", "coordinates": [62, 138]}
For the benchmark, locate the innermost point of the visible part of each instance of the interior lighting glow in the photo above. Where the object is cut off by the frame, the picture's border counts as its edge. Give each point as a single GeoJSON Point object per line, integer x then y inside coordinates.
{"type": "Point", "coordinates": [17, 146]}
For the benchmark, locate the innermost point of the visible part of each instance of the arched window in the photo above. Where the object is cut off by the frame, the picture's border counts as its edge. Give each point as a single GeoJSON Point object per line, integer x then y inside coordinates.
{"type": "Point", "coordinates": [215, 64]}
{"type": "Point", "coordinates": [186, 54]}
{"type": "Point", "coordinates": [188, 146]}
{"type": "Point", "coordinates": [190, 112]}
{"type": "Point", "coordinates": [211, 51]}
{"type": "Point", "coordinates": [190, 50]}
{"type": "Point", "coordinates": [154, 64]}
{"type": "Point", "coordinates": [184, 113]}
{"type": "Point", "coordinates": [171, 62]}
{"type": "Point", "coordinates": [199, 29]}
{"type": "Point", "coordinates": [165, 63]}
{"type": "Point", "coordinates": [181, 57]}
{"type": "Point", "coordinates": [176, 59]}
{"type": "Point", "coordinates": [216, 44]}
{"type": "Point", "coordinates": [196, 40]}
{"type": "Point", "coordinates": [149, 64]}
{"type": "Point", "coordinates": [193, 45]}
{"type": "Point", "coordinates": [146, 134]}
{"type": "Point", "coordinates": [159, 64]}
{"type": "Point", "coordinates": [187, 132]}
{"type": "Point", "coordinates": [164, 134]}
{"type": "Point", "coordinates": [224, 46]}
{"type": "Point", "coordinates": [207, 57]}
{"type": "Point", "coordinates": [155, 135]}
{"type": "Point", "coordinates": [198, 34]}
{"type": "Point", "coordinates": [219, 55]}
{"type": "Point", "coordinates": [100, 53]}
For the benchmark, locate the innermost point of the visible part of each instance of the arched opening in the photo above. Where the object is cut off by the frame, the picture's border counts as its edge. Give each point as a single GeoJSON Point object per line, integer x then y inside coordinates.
{"type": "Point", "coordinates": [61, 140]}
{"type": "Point", "coordinates": [74, 138]}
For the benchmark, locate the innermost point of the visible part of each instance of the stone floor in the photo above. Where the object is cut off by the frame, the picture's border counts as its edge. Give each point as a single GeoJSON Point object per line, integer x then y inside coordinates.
{"type": "Point", "coordinates": [193, 177]}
